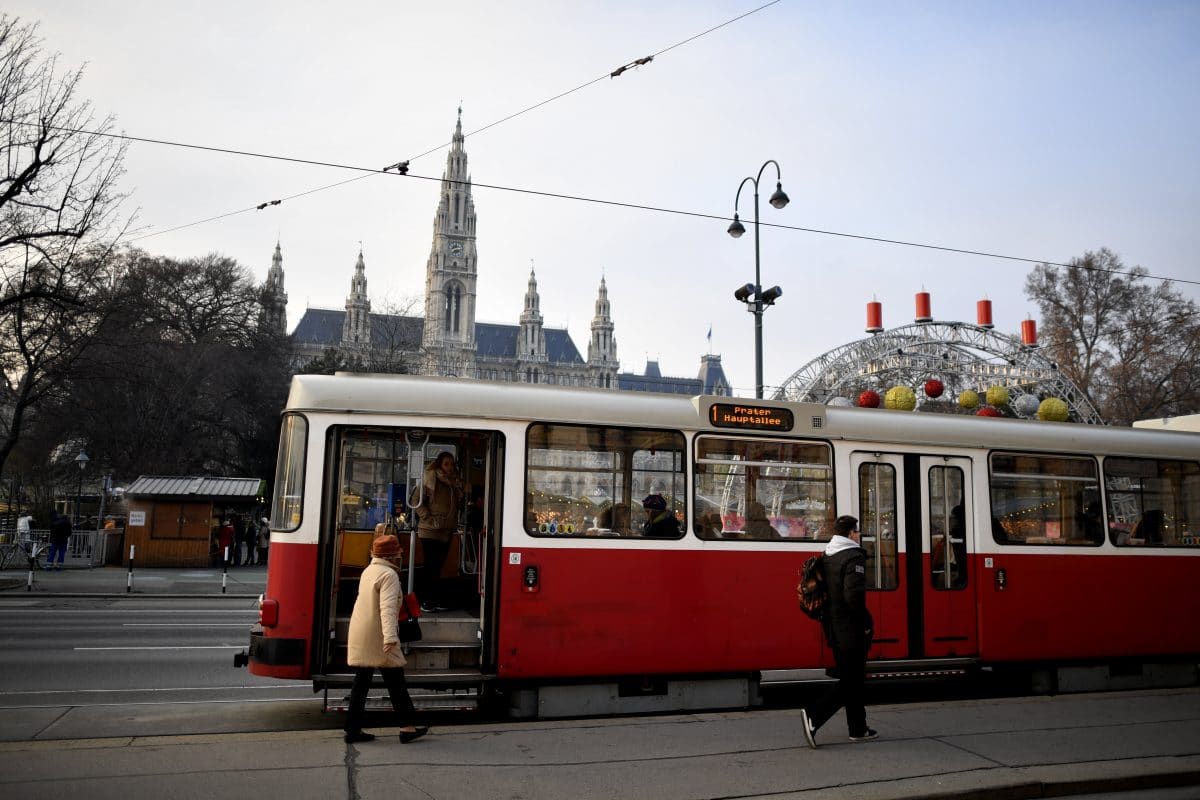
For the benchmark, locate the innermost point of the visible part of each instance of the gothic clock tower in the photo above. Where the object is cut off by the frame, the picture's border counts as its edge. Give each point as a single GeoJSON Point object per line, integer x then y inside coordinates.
{"type": "Point", "coordinates": [448, 344]}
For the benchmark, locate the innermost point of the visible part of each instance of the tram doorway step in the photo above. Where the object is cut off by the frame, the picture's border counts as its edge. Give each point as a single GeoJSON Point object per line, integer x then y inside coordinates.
{"type": "Point", "coordinates": [427, 700]}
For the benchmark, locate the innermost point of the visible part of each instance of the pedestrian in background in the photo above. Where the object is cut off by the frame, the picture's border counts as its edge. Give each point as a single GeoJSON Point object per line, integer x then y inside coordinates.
{"type": "Point", "coordinates": [263, 541]}
{"type": "Point", "coordinates": [225, 541]}
{"type": "Point", "coordinates": [60, 537]}
{"type": "Point", "coordinates": [239, 541]}
{"type": "Point", "coordinates": [24, 529]}
{"type": "Point", "coordinates": [848, 629]}
{"type": "Point", "coordinates": [374, 643]}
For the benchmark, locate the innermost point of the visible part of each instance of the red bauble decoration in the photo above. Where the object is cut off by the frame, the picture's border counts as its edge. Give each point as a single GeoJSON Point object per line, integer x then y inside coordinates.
{"type": "Point", "coordinates": [869, 399]}
{"type": "Point", "coordinates": [988, 411]}
{"type": "Point", "coordinates": [934, 388]}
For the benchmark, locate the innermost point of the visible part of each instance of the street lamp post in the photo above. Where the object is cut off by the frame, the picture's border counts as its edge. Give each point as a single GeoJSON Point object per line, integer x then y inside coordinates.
{"type": "Point", "coordinates": [82, 460]}
{"type": "Point", "coordinates": [752, 294]}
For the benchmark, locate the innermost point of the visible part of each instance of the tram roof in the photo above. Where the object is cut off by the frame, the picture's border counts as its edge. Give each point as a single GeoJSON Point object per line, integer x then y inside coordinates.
{"type": "Point", "coordinates": [362, 393]}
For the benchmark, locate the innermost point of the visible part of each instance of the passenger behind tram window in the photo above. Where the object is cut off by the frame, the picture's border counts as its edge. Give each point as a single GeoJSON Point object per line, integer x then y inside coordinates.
{"type": "Point", "coordinates": [660, 521]}
{"type": "Point", "coordinates": [620, 519]}
{"type": "Point", "coordinates": [1091, 522]}
{"type": "Point", "coordinates": [611, 521]}
{"type": "Point", "coordinates": [1149, 529]}
{"type": "Point", "coordinates": [757, 524]}
{"type": "Point", "coordinates": [708, 526]}
{"type": "Point", "coordinates": [603, 523]}
{"type": "Point", "coordinates": [954, 543]}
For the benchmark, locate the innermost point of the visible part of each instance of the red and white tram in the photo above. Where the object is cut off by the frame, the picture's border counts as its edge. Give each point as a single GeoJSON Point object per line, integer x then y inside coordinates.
{"type": "Point", "coordinates": [990, 541]}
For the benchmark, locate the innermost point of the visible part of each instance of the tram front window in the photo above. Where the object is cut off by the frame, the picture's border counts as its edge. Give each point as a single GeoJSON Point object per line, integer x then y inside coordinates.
{"type": "Point", "coordinates": [289, 474]}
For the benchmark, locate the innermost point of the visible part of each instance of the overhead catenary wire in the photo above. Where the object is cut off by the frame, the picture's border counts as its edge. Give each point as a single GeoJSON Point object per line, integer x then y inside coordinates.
{"type": "Point", "coordinates": [618, 204]}
{"type": "Point", "coordinates": [798, 228]}
{"type": "Point", "coordinates": [430, 151]}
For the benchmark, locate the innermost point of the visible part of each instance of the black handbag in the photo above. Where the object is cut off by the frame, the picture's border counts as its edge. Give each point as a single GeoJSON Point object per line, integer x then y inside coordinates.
{"type": "Point", "coordinates": [410, 630]}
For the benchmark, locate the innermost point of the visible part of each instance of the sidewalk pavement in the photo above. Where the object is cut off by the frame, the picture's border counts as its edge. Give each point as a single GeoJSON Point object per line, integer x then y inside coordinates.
{"type": "Point", "coordinates": [158, 581]}
{"type": "Point", "coordinates": [1011, 748]}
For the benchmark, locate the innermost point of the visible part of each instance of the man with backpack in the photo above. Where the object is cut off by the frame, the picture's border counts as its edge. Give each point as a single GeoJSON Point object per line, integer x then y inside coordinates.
{"type": "Point", "coordinates": [848, 629]}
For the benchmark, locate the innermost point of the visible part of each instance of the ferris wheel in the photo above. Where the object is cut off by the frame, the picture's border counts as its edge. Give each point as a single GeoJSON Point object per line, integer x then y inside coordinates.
{"type": "Point", "coordinates": [942, 366]}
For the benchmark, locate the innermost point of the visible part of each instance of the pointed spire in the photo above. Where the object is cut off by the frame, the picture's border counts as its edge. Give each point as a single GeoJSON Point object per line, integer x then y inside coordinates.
{"type": "Point", "coordinates": [356, 329]}
{"type": "Point", "coordinates": [274, 309]}
{"type": "Point", "coordinates": [531, 293]}
{"type": "Point", "coordinates": [457, 140]}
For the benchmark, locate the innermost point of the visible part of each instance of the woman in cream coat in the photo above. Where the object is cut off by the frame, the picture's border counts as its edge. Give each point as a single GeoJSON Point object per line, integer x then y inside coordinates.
{"type": "Point", "coordinates": [373, 642]}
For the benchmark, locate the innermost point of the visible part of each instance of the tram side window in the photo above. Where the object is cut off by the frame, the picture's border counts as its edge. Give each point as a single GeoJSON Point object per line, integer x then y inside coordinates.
{"type": "Point", "coordinates": [877, 521]}
{"type": "Point", "coordinates": [1043, 500]}
{"type": "Point", "coordinates": [762, 489]}
{"type": "Point", "coordinates": [583, 480]}
{"type": "Point", "coordinates": [289, 474]}
{"type": "Point", "coordinates": [1152, 502]}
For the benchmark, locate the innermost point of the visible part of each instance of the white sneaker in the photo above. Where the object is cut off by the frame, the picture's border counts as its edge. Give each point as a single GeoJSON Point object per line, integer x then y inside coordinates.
{"type": "Point", "coordinates": [809, 731]}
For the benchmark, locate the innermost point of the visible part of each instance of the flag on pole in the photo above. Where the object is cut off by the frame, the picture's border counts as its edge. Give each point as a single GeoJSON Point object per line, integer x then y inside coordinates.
{"type": "Point", "coordinates": [710, 334]}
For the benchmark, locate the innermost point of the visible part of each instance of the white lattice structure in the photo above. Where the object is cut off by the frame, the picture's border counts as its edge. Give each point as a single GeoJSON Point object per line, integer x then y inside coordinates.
{"type": "Point", "coordinates": [961, 355]}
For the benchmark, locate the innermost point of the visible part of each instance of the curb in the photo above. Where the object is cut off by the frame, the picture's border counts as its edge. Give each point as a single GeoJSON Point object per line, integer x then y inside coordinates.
{"type": "Point", "coordinates": [1021, 783]}
{"type": "Point", "coordinates": [138, 594]}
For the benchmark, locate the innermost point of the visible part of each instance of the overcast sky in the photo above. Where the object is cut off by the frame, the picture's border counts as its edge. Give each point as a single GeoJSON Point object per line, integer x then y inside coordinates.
{"type": "Point", "coordinates": [1030, 129]}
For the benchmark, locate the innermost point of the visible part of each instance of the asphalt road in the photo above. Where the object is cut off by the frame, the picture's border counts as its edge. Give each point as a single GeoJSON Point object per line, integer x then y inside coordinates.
{"type": "Point", "coordinates": [94, 652]}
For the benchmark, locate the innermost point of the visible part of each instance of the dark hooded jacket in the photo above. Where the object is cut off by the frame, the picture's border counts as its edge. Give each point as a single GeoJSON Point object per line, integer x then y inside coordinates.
{"type": "Point", "coordinates": [847, 622]}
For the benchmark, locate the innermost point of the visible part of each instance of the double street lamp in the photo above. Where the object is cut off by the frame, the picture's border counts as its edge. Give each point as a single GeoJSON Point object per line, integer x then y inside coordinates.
{"type": "Point", "coordinates": [82, 460]}
{"type": "Point", "coordinates": [753, 294]}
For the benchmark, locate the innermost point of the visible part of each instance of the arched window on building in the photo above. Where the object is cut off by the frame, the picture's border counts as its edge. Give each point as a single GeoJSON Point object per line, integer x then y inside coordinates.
{"type": "Point", "coordinates": [453, 313]}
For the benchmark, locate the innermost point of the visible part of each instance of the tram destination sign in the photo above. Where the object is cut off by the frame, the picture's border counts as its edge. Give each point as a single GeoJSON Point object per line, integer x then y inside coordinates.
{"type": "Point", "coordinates": [750, 417]}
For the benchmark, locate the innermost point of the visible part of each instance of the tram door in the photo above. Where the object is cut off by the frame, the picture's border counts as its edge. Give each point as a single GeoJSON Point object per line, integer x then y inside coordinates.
{"type": "Point", "coordinates": [948, 585]}
{"type": "Point", "coordinates": [877, 485]}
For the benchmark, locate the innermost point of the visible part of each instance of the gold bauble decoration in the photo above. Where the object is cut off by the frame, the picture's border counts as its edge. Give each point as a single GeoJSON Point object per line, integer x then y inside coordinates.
{"type": "Point", "coordinates": [1052, 409]}
{"type": "Point", "coordinates": [997, 396]}
{"type": "Point", "coordinates": [900, 398]}
{"type": "Point", "coordinates": [968, 399]}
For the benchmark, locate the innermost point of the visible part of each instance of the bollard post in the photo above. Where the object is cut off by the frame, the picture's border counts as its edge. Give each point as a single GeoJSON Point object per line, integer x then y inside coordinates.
{"type": "Point", "coordinates": [225, 571]}
{"type": "Point", "coordinates": [129, 579]}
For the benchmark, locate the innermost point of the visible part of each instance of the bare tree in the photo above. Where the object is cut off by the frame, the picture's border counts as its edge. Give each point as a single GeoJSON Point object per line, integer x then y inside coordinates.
{"type": "Point", "coordinates": [1133, 348]}
{"type": "Point", "coordinates": [395, 346]}
{"type": "Point", "coordinates": [395, 336]}
{"type": "Point", "coordinates": [58, 207]}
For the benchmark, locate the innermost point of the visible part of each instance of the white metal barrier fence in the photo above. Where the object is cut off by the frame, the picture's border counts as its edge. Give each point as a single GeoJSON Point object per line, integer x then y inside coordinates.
{"type": "Point", "coordinates": [84, 549]}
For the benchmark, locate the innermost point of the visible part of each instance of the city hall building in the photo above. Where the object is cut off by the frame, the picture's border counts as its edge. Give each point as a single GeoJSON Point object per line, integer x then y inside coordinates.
{"type": "Point", "coordinates": [447, 340]}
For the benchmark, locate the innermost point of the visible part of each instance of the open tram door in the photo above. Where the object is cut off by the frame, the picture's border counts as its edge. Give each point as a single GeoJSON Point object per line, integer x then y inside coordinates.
{"type": "Point", "coordinates": [370, 477]}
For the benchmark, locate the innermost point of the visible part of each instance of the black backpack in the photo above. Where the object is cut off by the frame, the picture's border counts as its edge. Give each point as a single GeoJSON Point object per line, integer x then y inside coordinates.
{"type": "Point", "coordinates": [812, 592]}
